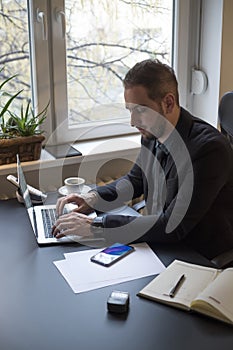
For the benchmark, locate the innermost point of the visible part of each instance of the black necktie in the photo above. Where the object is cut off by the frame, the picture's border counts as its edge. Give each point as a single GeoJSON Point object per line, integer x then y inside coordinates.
{"type": "Point", "coordinates": [161, 154]}
{"type": "Point", "coordinates": [155, 201]}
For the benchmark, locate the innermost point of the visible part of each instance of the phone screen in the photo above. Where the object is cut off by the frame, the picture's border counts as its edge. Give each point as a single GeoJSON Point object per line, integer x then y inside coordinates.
{"type": "Point", "coordinates": [112, 254]}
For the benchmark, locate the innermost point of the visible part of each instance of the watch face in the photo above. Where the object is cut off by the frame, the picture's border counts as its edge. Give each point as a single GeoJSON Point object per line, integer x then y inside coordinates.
{"type": "Point", "coordinates": [98, 221]}
{"type": "Point", "coordinates": [97, 227]}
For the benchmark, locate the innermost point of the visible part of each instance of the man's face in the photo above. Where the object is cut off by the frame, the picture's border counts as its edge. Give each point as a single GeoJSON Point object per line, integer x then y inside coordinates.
{"type": "Point", "coordinates": [146, 114]}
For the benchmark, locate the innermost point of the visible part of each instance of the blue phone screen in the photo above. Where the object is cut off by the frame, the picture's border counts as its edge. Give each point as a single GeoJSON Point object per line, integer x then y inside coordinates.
{"type": "Point", "coordinates": [111, 254]}
{"type": "Point", "coordinates": [117, 249]}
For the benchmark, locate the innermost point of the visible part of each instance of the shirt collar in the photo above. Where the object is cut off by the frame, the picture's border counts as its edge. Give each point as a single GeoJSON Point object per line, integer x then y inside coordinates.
{"type": "Point", "coordinates": [183, 127]}
{"type": "Point", "coordinates": [161, 146]}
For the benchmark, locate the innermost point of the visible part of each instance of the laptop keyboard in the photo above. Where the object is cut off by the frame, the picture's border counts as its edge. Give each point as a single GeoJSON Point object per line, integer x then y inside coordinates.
{"type": "Point", "coordinates": [49, 218]}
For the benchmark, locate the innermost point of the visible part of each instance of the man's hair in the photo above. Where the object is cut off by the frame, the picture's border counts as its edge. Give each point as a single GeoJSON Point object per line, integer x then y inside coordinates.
{"type": "Point", "coordinates": [158, 78]}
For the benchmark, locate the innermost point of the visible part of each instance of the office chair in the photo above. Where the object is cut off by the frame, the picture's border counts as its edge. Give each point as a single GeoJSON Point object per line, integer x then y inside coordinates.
{"type": "Point", "coordinates": [225, 115]}
{"type": "Point", "coordinates": [223, 260]}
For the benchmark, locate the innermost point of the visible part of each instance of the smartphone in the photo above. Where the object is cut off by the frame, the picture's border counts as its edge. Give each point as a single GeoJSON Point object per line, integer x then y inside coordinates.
{"type": "Point", "coordinates": [112, 254]}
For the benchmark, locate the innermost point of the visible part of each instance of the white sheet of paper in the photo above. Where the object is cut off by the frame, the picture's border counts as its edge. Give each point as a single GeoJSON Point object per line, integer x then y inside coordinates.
{"type": "Point", "coordinates": [83, 275]}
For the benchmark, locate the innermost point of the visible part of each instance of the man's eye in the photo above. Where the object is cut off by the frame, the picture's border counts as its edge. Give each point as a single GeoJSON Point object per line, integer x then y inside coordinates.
{"type": "Point", "coordinates": [140, 109]}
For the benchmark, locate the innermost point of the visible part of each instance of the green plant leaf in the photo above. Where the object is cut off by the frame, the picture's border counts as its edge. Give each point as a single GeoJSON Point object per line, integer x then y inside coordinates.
{"type": "Point", "coordinates": [26, 122]}
{"type": "Point", "coordinates": [5, 108]}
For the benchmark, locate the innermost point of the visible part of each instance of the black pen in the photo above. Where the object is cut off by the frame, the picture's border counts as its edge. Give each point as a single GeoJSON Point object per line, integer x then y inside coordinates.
{"type": "Point", "coordinates": [176, 286]}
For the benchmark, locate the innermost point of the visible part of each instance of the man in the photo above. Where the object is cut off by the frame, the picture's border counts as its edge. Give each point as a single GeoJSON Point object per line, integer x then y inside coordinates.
{"type": "Point", "coordinates": [184, 170]}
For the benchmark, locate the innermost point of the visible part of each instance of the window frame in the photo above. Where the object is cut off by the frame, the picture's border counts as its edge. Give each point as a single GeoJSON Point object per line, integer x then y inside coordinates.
{"type": "Point", "coordinates": [47, 77]}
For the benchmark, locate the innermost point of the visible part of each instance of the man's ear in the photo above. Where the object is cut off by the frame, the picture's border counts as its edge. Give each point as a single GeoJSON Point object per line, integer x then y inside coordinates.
{"type": "Point", "coordinates": [168, 103]}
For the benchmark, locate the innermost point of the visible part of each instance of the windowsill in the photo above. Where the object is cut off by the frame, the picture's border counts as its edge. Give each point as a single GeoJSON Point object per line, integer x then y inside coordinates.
{"type": "Point", "coordinates": [120, 147]}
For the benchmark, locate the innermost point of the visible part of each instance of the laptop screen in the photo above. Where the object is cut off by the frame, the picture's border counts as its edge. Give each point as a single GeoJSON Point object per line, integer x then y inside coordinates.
{"type": "Point", "coordinates": [23, 185]}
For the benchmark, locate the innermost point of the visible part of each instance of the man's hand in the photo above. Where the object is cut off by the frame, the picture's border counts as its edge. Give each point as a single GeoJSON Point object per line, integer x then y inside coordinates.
{"type": "Point", "coordinates": [85, 202]}
{"type": "Point", "coordinates": [74, 224]}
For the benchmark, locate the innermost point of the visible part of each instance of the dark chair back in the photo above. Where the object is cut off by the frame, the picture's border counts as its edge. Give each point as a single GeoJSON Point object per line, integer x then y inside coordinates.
{"type": "Point", "coordinates": [225, 115]}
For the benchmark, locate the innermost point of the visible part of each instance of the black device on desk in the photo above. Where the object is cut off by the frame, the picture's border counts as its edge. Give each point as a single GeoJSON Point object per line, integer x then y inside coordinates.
{"type": "Point", "coordinates": [118, 302]}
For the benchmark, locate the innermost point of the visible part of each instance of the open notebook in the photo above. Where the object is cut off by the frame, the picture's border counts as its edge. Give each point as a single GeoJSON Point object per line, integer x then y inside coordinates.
{"type": "Point", "coordinates": [203, 289]}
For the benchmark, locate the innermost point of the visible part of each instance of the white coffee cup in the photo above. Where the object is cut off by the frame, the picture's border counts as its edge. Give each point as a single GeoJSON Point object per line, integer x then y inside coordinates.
{"type": "Point", "coordinates": [74, 184]}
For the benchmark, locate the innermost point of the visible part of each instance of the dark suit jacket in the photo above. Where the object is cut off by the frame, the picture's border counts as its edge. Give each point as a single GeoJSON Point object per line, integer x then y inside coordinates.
{"type": "Point", "coordinates": [198, 196]}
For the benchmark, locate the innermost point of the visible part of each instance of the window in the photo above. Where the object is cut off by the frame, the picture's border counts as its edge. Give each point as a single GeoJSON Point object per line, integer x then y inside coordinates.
{"type": "Point", "coordinates": [80, 51]}
{"type": "Point", "coordinates": [14, 47]}
{"type": "Point", "coordinates": [103, 40]}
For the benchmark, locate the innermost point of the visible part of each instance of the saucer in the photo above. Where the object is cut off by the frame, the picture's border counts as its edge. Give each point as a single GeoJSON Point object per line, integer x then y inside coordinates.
{"type": "Point", "coordinates": [63, 190]}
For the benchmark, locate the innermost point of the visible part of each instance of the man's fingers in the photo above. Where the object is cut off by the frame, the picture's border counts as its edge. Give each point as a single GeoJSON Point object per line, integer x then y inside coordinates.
{"type": "Point", "coordinates": [60, 205]}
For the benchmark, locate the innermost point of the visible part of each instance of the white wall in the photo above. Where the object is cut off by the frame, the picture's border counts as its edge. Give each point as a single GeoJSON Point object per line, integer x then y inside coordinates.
{"type": "Point", "coordinates": [206, 105]}
{"type": "Point", "coordinates": [226, 79]}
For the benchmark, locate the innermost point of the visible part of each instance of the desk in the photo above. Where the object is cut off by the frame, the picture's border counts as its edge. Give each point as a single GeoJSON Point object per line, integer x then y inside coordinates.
{"type": "Point", "coordinates": [39, 311]}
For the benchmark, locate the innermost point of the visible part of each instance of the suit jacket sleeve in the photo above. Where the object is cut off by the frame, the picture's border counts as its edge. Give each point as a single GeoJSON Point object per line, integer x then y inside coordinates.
{"type": "Point", "coordinates": [211, 163]}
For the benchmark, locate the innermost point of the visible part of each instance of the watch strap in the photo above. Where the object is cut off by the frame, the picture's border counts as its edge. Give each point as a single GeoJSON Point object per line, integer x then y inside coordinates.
{"type": "Point", "coordinates": [97, 227]}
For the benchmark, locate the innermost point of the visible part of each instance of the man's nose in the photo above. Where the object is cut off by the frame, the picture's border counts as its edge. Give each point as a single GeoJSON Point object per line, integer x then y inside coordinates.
{"type": "Point", "coordinates": [135, 120]}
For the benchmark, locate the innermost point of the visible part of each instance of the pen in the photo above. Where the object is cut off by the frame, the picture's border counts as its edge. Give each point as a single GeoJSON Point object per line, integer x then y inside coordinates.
{"type": "Point", "coordinates": [176, 286]}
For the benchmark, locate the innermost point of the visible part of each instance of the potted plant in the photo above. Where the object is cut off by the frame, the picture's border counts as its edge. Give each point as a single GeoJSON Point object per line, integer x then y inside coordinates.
{"type": "Point", "coordinates": [19, 132]}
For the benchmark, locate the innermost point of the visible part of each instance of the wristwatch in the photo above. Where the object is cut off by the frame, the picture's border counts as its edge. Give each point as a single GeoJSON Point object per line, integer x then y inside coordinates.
{"type": "Point", "coordinates": [97, 227]}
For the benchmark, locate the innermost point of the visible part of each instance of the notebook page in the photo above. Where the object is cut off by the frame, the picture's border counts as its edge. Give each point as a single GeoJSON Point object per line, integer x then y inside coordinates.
{"type": "Point", "coordinates": [219, 293]}
{"type": "Point", "coordinates": [196, 279]}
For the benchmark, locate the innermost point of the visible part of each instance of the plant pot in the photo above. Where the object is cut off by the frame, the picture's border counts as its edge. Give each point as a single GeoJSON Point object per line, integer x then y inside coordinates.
{"type": "Point", "coordinates": [28, 148]}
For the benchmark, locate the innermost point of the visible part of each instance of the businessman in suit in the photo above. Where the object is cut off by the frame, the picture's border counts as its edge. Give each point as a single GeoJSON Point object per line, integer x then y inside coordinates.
{"type": "Point", "coordinates": [184, 170]}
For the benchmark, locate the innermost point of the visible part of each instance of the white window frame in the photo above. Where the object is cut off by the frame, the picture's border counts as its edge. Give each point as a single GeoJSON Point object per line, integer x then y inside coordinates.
{"type": "Point", "coordinates": [50, 80]}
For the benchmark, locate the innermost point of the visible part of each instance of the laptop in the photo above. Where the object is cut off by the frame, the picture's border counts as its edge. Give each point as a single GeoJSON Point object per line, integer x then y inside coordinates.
{"type": "Point", "coordinates": [42, 218]}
